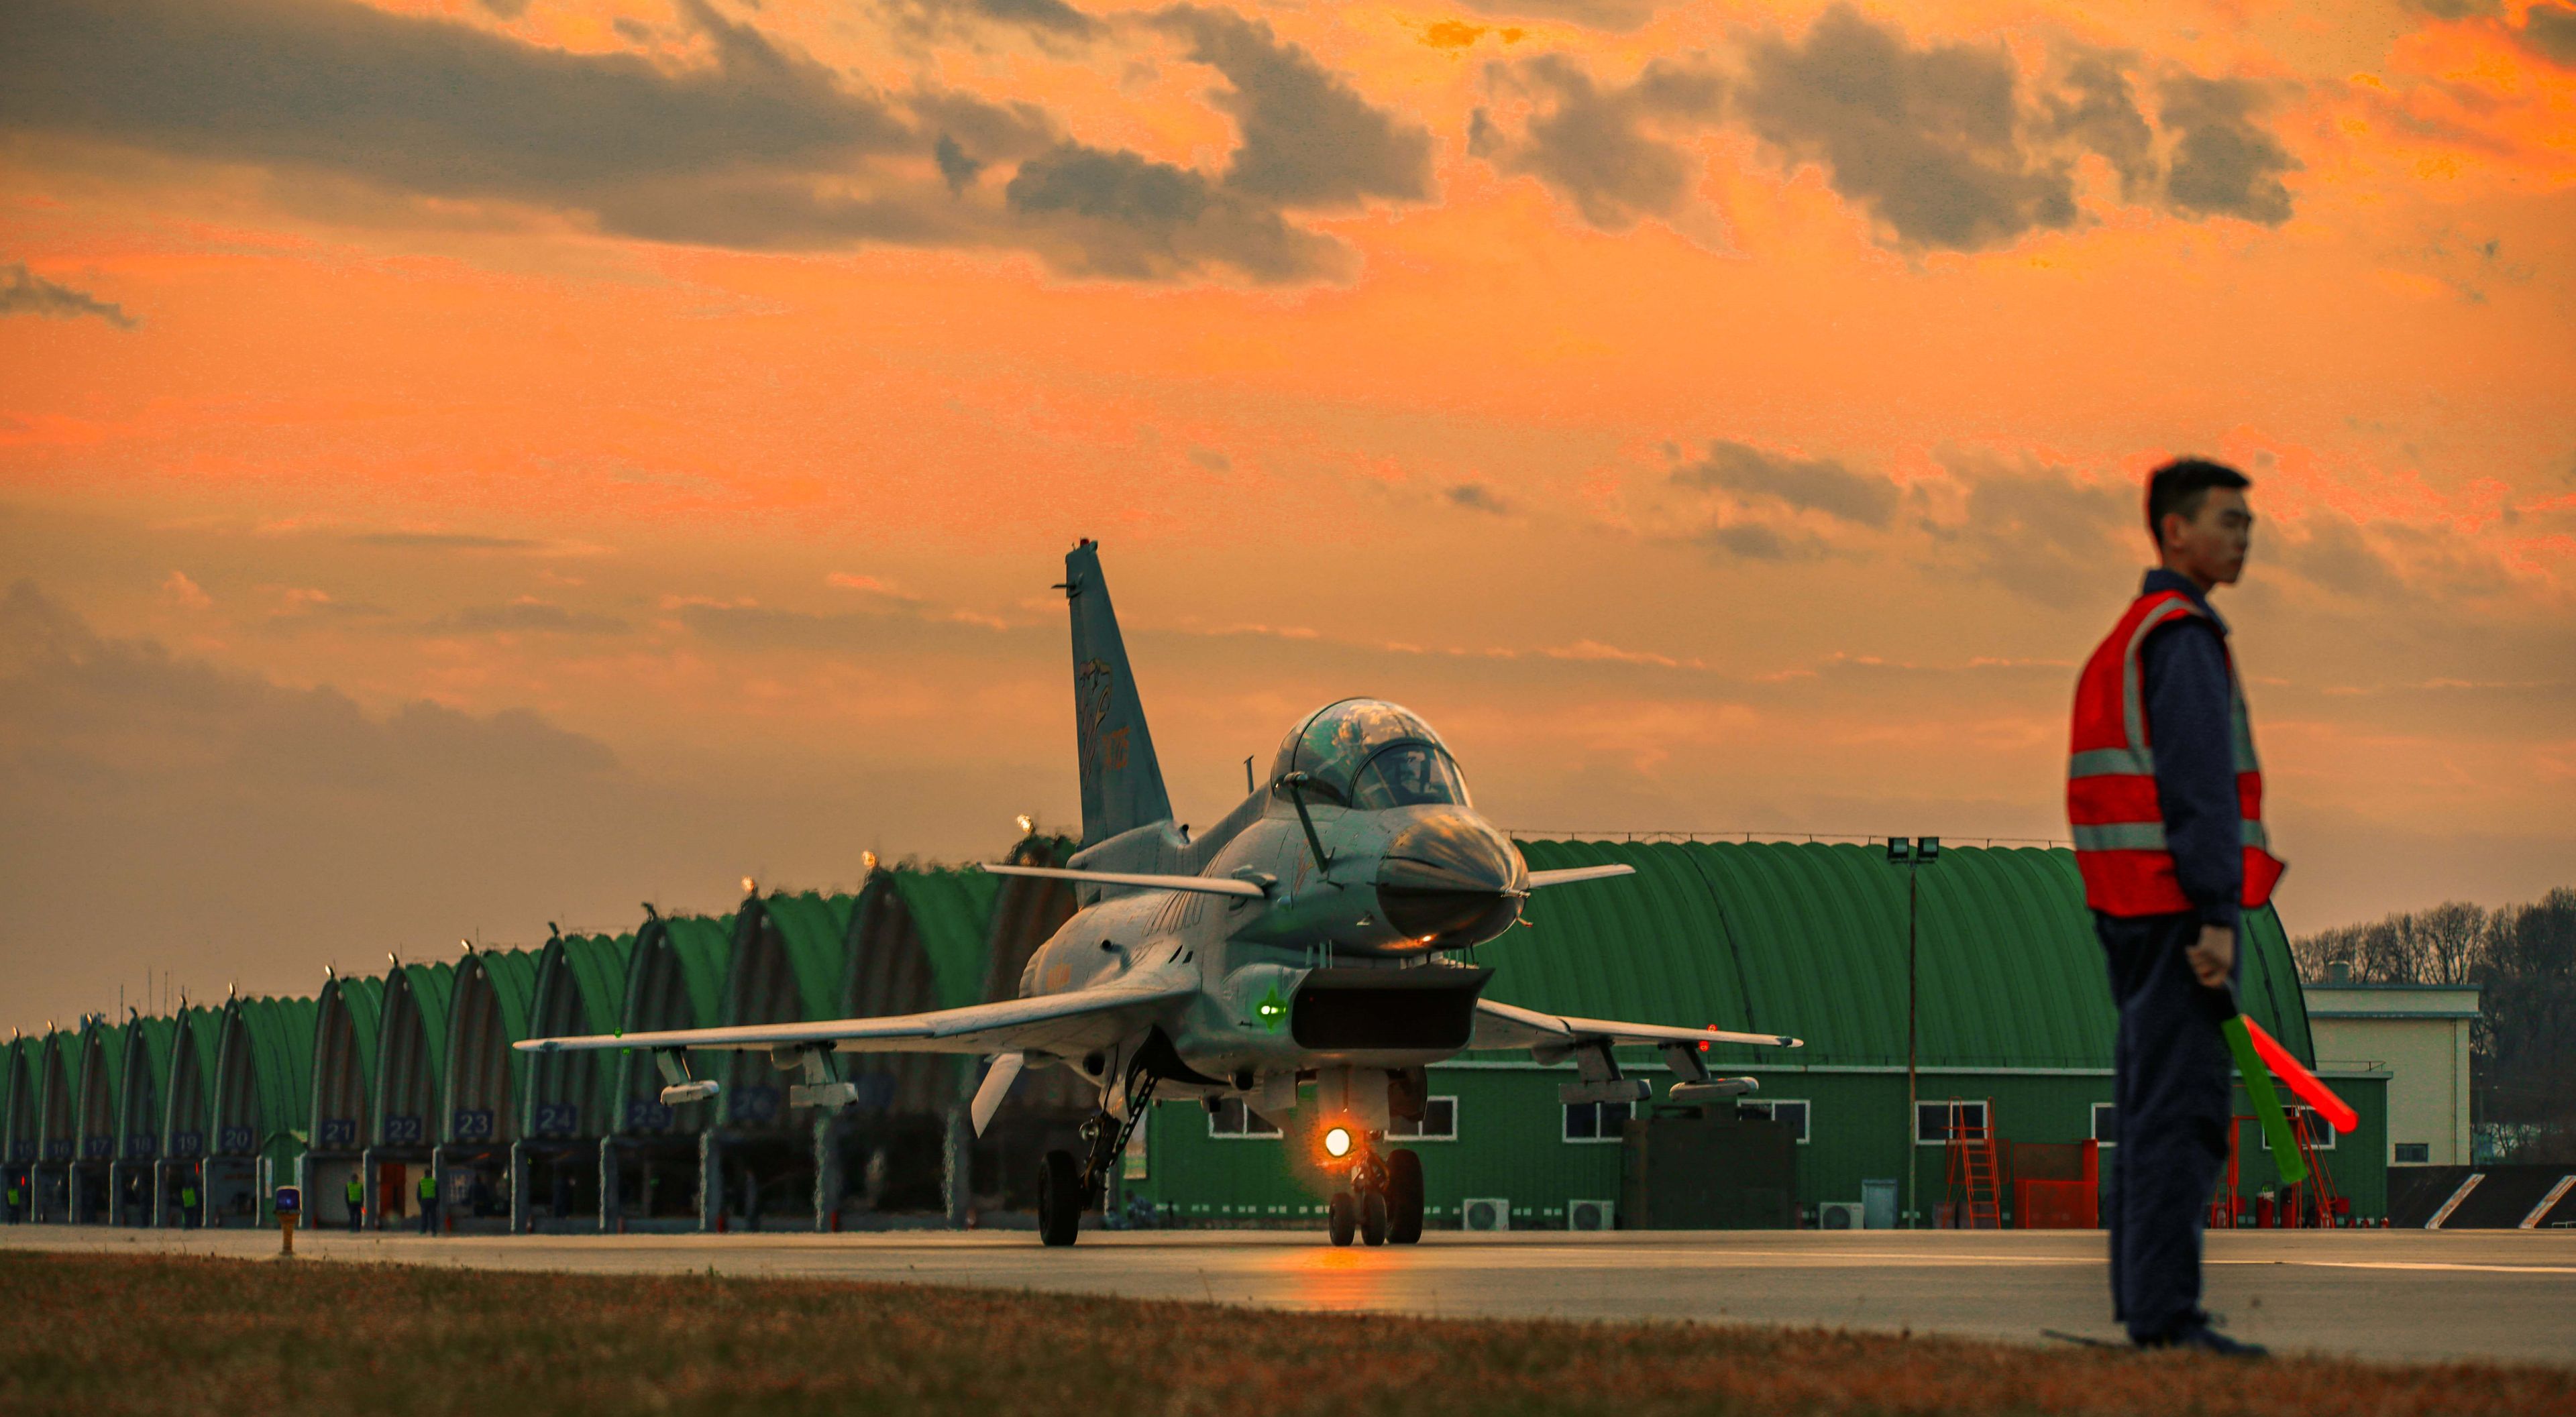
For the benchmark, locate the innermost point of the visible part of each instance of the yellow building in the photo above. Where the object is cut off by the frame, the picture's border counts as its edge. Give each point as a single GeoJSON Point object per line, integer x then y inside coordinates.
{"type": "Point", "coordinates": [2420, 1033]}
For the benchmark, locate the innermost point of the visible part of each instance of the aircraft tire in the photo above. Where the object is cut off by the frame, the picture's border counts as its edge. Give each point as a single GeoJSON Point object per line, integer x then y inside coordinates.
{"type": "Point", "coordinates": [1059, 1199]}
{"type": "Point", "coordinates": [1403, 1198]}
{"type": "Point", "coordinates": [1341, 1217]}
{"type": "Point", "coordinates": [1373, 1218]}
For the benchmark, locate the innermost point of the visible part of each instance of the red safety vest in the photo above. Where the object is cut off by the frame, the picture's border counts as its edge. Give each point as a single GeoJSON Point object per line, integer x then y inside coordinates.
{"type": "Point", "coordinates": [2111, 778]}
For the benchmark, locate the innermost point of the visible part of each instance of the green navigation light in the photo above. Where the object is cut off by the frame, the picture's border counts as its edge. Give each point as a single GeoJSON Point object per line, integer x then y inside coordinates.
{"type": "Point", "coordinates": [1272, 1009]}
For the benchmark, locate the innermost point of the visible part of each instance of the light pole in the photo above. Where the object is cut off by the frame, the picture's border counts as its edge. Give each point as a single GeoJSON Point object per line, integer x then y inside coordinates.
{"type": "Point", "coordinates": [1900, 852]}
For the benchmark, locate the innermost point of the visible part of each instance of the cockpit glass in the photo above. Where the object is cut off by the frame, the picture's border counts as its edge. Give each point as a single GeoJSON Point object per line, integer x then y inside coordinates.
{"type": "Point", "coordinates": [1408, 775]}
{"type": "Point", "coordinates": [1371, 754]}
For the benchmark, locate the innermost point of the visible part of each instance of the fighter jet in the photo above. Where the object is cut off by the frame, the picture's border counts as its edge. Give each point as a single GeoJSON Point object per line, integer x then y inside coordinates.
{"type": "Point", "coordinates": [1311, 949]}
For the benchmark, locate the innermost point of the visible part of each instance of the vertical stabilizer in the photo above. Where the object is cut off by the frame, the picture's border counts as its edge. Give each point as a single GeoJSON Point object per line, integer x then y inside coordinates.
{"type": "Point", "coordinates": [1122, 783]}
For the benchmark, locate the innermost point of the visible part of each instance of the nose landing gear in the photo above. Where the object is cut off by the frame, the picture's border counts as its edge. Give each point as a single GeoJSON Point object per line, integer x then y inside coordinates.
{"type": "Point", "coordinates": [1378, 1198]}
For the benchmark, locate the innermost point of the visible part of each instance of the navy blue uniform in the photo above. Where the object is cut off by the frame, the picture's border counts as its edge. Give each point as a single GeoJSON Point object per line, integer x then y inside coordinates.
{"type": "Point", "coordinates": [2172, 1085]}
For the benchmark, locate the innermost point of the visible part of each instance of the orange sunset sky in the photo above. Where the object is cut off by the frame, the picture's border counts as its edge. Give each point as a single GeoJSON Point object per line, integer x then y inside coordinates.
{"type": "Point", "coordinates": [465, 465]}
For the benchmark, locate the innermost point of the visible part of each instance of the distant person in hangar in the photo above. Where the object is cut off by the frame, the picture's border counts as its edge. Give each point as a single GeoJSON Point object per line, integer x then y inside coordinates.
{"type": "Point", "coordinates": [2166, 802]}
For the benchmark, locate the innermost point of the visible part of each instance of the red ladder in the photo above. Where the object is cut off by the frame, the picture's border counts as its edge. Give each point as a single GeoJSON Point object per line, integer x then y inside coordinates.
{"type": "Point", "coordinates": [1974, 1187]}
{"type": "Point", "coordinates": [2320, 1187]}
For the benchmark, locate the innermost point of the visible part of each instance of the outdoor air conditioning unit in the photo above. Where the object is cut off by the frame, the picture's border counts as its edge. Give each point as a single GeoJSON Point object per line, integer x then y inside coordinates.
{"type": "Point", "coordinates": [1488, 1213]}
{"type": "Point", "coordinates": [1839, 1215]}
{"type": "Point", "coordinates": [1591, 1215]}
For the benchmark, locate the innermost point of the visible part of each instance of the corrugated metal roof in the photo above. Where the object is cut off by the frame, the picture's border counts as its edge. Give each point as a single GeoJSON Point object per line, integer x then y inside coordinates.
{"type": "Point", "coordinates": [814, 930]}
{"type": "Point", "coordinates": [411, 1056]}
{"type": "Point", "coordinates": [703, 945]}
{"type": "Point", "coordinates": [101, 1086]}
{"type": "Point", "coordinates": [951, 912]}
{"type": "Point", "coordinates": [192, 1060]}
{"type": "Point", "coordinates": [348, 1023]}
{"type": "Point", "coordinates": [54, 1068]}
{"type": "Point", "coordinates": [362, 1001]}
{"type": "Point", "coordinates": [148, 1043]}
{"type": "Point", "coordinates": [18, 1103]}
{"type": "Point", "coordinates": [428, 991]}
{"type": "Point", "coordinates": [278, 1034]}
{"type": "Point", "coordinates": [493, 1004]}
{"type": "Point", "coordinates": [596, 964]}
{"type": "Point", "coordinates": [580, 988]}
{"type": "Point", "coordinates": [1810, 939]}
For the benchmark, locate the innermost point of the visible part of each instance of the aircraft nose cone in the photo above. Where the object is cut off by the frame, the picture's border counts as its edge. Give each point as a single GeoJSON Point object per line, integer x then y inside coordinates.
{"type": "Point", "coordinates": [1450, 880]}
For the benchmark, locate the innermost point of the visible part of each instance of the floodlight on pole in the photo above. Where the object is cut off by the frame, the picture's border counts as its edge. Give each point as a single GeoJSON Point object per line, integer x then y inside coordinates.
{"type": "Point", "coordinates": [1921, 852]}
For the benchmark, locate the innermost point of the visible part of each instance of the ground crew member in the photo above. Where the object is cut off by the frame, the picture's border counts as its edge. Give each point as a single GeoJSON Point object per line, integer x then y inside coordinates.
{"type": "Point", "coordinates": [428, 1200]}
{"type": "Point", "coordinates": [17, 1198]}
{"type": "Point", "coordinates": [187, 1205]}
{"type": "Point", "coordinates": [2165, 799]}
{"type": "Point", "coordinates": [356, 1191]}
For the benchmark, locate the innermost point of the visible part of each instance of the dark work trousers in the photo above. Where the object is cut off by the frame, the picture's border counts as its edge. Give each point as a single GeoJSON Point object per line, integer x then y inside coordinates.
{"type": "Point", "coordinates": [2175, 1107]}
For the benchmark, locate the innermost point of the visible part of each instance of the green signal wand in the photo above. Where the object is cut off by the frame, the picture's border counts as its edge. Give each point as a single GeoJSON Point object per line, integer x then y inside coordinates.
{"type": "Point", "coordinates": [2258, 1086]}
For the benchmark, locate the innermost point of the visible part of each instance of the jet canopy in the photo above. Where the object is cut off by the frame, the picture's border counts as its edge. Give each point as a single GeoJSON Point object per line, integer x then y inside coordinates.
{"type": "Point", "coordinates": [1369, 754]}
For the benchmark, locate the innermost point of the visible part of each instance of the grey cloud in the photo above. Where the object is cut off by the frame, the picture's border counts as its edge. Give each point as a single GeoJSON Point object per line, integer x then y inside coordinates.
{"type": "Point", "coordinates": [1050, 20]}
{"type": "Point", "coordinates": [1128, 216]}
{"type": "Point", "coordinates": [91, 697]}
{"type": "Point", "coordinates": [506, 9]}
{"type": "Point", "coordinates": [423, 104]}
{"type": "Point", "coordinates": [2224, 164]}
{"type": "Point", "coordinates": [1811, 484]}
{"type": "Point", "coordinates": [758, 148]}
{"type": "Point", "coordinates": [634, 31]}
{"type": "Point", "coordinates": [1591, 144]}
{"type": "Point", "coordinates": [1211, 459]}
{"type": "Point", "coordinates": [2039, 532]}
{"type": "Point", "coordinates": [955, 166]}
{"type": "Point", "coordinates": [1926, 140]}
{"type": "Point", "coordinates": [2455, 9]}
{"type": "Point", "coordinates": [2098, 109]}
{"type": "Point", "coordinates": [2337, 557]}
{"type": "Point", "coordinates": [1308, 138]}
{"type": "Point", "coordinates": [850, 632]}
{"type": "Point", "coordinates": [1476, 497]}
{"type": "Point", "coordinates": [1751, 541]}
{"type": "Point", "coordinates": [23, 292]}
{"type": "Point", "coordinates": [444, 541]}
{"type": "Point", "coordinates": [527, 616]}
{"type": "Point", "coordinates": [310, 613]}
{"type": "Point", "coordinates": [1597, 14]}
{"type": "Point", "coordinates": [2550, 31]}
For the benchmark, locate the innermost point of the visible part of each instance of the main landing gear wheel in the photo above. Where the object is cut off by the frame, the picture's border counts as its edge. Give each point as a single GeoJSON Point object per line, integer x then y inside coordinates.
{"type": "Point", "coordinates": [1403, 1198]}
{"type": "Point", "coordinates": [1059, 1198]}
{"type": "Point", "coordinates": [1373, 1218]}
{"type": "Point", "coordinates": [1341, 1217]}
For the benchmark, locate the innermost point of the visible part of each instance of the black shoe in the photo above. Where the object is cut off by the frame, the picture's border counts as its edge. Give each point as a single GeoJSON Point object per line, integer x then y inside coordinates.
{"type": "Point", "coordinates": [2202, 1338]}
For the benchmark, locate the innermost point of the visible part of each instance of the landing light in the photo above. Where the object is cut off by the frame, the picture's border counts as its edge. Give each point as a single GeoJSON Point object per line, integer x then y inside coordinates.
{"type": "Point", "coordinates": [1337, 1142]}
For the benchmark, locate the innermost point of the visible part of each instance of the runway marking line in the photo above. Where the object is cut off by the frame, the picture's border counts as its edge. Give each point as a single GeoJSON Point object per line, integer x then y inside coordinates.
{"type": "Point", "coordinates": [2416, 1264]}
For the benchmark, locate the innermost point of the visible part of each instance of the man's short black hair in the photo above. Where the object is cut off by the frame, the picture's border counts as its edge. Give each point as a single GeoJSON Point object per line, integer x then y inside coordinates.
{"type": "Point", "coordinates": [2179, 486]}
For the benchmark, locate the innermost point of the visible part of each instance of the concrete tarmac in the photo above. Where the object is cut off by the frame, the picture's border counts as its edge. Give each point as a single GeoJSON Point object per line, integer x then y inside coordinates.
{"type": "Point", "coordinates": [2373, 1294]}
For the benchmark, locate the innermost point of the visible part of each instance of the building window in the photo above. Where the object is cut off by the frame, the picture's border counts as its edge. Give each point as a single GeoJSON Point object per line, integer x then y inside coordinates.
{"type": "Point", "coordinates": [2106, 1123]}
{"type": "Point", "coordinates": [2307, 1123]}
{"type": "Point", "coordinates": [1594, 1121]}
{"type": "Point", "coordinates": [2413, 1153]}
{"type": "Point", "coordinates": [1439, 1122]}
{"type": "Point", "coordinates": [1932, 1120]}
{"type": "Point", "coordinates": [1230, 1118]}
{"type": "Point", "coordinates": [1792, 1111]}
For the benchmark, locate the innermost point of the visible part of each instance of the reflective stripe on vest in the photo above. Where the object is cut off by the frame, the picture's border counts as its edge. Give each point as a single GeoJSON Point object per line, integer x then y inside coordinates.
{"type": "Point", "coordinates": [2111, 800]}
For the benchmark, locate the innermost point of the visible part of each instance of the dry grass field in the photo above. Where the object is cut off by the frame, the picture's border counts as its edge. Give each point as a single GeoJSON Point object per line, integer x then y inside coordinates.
{"type": "Point", "coordinates": [111, 1335]}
